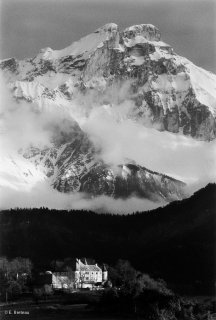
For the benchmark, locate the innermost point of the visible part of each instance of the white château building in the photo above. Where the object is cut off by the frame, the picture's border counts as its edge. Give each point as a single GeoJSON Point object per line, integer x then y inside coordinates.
{"type": "Point", "coordinates": [84, 275]}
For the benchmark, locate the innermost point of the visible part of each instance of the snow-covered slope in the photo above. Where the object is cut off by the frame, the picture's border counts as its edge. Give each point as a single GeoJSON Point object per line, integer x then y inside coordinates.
{"type": "Point", "coordinates": [85, 46]}
{"type": "Point", "coordinates": [165, 90]}
{"type": "Point", "coordinates": [75, 166]}
{"type": "Point", "coordinates": [130, 74]}
{"type": "Point", "coordinates": [19, 174]}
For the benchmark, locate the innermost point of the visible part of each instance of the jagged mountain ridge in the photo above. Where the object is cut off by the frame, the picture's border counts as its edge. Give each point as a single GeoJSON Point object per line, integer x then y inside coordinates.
{"type": "Point", "coordinates": [167, 90]}
{"type": "Point", "coordinates": [75, 166]}
{"type": "Point", "coordinates": [107, 68]}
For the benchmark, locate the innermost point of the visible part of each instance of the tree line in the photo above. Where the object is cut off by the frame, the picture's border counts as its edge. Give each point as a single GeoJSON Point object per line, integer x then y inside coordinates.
{"type": "Point", "coordinates": [176, 243]}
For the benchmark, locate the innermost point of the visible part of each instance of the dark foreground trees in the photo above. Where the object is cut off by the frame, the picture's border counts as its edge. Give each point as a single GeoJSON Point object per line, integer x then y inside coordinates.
{"type": "Point", "coordinates": [176, 242]}
{"type": "Point", "coordinates": [143, 297]}
{"type": "Point", "coordinates": [14, 276]}
{"type": "Point", "coordinates": [137, 293]}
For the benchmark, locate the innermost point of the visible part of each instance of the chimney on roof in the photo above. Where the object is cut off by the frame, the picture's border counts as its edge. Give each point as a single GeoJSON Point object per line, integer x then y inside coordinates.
{"type": "Point", "coordinates": [85, 261]}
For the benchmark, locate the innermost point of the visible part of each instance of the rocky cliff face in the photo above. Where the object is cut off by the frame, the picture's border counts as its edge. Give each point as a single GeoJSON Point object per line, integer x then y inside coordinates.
{"type": "Point", "coordinates": [166, 90]}
{"type": "Point", "coordinates": [73, 165]}
{"type": "Point", "coordinates": [107, 68]}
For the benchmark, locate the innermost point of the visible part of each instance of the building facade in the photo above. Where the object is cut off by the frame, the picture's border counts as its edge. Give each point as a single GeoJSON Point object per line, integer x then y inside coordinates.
{"type": "Point", "coordinates": [84, 275]}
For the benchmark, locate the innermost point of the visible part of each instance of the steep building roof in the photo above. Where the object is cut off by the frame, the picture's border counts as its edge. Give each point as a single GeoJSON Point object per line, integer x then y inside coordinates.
{"type": "Point", "coordinates": [87, 267]}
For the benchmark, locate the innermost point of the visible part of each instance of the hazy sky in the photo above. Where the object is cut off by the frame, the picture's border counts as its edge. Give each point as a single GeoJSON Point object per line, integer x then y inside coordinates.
{"type": "Point", "coordinates": [29, 25]}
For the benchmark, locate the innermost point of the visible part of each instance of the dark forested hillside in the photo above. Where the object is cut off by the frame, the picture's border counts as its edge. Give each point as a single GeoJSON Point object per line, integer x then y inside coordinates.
{"type": "Point", "coordinates": [176, 242]}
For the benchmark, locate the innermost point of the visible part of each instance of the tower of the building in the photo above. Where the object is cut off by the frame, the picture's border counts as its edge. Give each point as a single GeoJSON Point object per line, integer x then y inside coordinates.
{"type": "Point", "coordinates": [104, 274]}
{"type": "Point", "coordinates": [77, 273]}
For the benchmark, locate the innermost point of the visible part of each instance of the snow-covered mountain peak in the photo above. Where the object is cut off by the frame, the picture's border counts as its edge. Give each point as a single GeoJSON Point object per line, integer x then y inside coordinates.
{"type": "Point", "coordinates": [147, 31]}
{"type": "Point", "coordinates": [110, 31]}
{"type": "Point", "coordinates": [168, 91]}
{"type": "Point", "coordinates": [107, 28]}
{"type": "Point", "coordinates": [45, 53]}
{"type": "Point", "coordinates": [121, 77]}
{"type": "Point", "coordinates": [83, 47]}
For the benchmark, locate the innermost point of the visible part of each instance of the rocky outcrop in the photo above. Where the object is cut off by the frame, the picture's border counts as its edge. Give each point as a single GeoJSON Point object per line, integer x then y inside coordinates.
{"type": "Point", "coordinates": [73, 164]}
{"type": "Point", "coordinates": [10, 65]}
{"type": "Point", "coordinates": [74, 167]}
{"type": "Point", "coordinates": [106, 69]}
{"type": "Point", "coordinates": [168, 91]}
{"type": "Point", "coordinates": [131, 180]}
{"type": "Point", "coordinates": [147, 31]}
